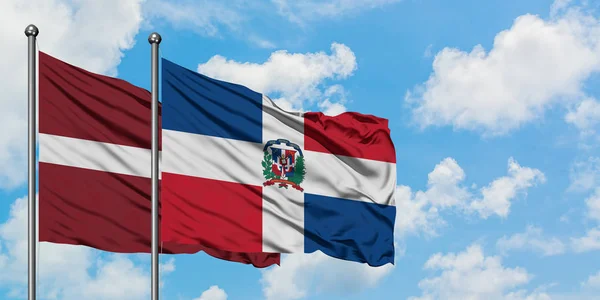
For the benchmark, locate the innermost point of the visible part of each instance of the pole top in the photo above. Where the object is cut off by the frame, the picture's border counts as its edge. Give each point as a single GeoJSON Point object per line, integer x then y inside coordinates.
{"type": "Point", "coordinates": [154, 38]}
{"type": "Point", "coordinates": [31, 30]}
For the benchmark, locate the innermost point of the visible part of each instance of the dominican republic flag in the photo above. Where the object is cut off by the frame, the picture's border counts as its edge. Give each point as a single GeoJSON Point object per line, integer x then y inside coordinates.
{"type": "Point", "coordinates": [94, 165]}
{"type": "Point", "coordinates": [240, 174]}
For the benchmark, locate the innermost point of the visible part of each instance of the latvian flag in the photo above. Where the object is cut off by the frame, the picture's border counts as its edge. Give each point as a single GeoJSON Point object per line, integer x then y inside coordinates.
{"type": "Point", "coordinates": [94, 167]}
{"type": "Point", "coordinates": [240, 174]}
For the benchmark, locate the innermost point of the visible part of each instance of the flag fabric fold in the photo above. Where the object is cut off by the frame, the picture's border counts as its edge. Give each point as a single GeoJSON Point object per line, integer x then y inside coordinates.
{"type": "Point", "coordinates": [94, 165]}
{"type": "Point", "coordinates": [240, 174]}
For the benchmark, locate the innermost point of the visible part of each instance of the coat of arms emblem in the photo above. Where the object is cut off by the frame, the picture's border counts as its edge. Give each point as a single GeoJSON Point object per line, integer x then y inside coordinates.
{"type": "Point", "coordinates": [283, 164]}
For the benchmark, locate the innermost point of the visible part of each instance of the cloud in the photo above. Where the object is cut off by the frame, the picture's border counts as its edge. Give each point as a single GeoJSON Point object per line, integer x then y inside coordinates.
{"type": "Point", "coordinates": [472, 275]}
{"type": "Point", "coordinates": [585, 175]}
{"type": "Point", "coordinates": [302, 11]}
{"type": "Point", "coordinates": [335, 98]}
{"type": "Point", "coordinates": [559, 6]}
{"type": "Point", "coordinates": [589, 242]}
{"type": "Point", "coordinates": [261, 42]}
{"type": "Point", "coordinates": [443, 184]}
{"type": "Point", "coordinates": [593, 282]}
{"type": "Point", "coordinates": [588, 291]}
{"type": "Point", "coordinates": [415, 214]}
{"type": "Point", "coordinates": [303, 274]}
{"type": "Point", "coordinates": [204, 16]}
{"type": "Point", "coordinates": [420, 211]}
{"type": "Point", "coordinates": [90, 276]}
{"type": "Point", "coordinates": [532, 239]}
{"type": "Point", "coordinates": [292, 79]}
{"type": "Point", "coordinates": [593, 205]}
{"type": "Point", "coordinates": [331, 109]}
{"type": "Point", "coordinates": [428, 51]}
{"type": "Point", "coordinates": [73, 31]}
{"type": "Point", "coordinates": [167, 267]}
{"type": "Point", "coordinates": [536, 295]}
{"type": "Point", "coordinates": [117, 278]}
{"type": "Point", "coordinates": [586, 116]}
{"type": "Point", "coordinates": [213, 293]}
{"type": "Point", "coordinates": [496, 196]}
{"type": "Point", "coordinates": [534, 65]}
{"type": "Point", "coordinates": [213, 18]}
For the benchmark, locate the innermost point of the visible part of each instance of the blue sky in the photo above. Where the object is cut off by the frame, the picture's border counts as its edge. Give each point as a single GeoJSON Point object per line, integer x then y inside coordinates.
{"type": "Point", "coordinates": [492, 108]}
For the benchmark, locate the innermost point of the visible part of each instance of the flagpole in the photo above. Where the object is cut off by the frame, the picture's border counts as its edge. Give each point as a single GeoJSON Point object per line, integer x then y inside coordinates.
{"type": "Point", "coordinates": [154, 39]}
{"type": "Point", "coordinates": [31, 32]}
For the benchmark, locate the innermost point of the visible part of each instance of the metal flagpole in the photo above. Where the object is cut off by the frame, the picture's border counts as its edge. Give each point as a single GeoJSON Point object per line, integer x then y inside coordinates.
{"type": "Point", "coordinates": [154, 40]}
{"type": "Point", "coordinates": [31, 32]}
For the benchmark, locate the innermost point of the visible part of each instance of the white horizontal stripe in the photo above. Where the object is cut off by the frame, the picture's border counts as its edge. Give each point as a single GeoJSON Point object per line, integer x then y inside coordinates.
{"type": "Point", "coordinates": [93, 155]}
{"type": "Point", "coordinates": [349, 178]}
{"type": "Point", "coordinates": [212, 157]}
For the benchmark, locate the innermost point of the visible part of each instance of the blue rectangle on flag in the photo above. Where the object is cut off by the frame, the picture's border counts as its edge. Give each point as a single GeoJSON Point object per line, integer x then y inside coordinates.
{"type": "Point", "coordinates": [350, 230]}
{"type": "Point", "coordinates": [194, 103]}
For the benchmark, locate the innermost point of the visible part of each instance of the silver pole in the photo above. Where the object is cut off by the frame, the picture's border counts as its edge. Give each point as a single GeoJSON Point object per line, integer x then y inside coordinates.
{"type": "Point", "coordinates": [31, 32]}
{"type": "Point", "coordinates": [154, 40]}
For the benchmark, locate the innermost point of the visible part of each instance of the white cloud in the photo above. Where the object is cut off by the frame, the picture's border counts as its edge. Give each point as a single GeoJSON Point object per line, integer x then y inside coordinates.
{"type": "Point", "coordinates": [428, 51]}
{"type": "Point", "coordinates": [443, 185]}
{"type": "Point", "coordinates": [589, 242]}
{"type": "Point", "coordinates": [73, 31]}
{"type": "Point", "coordinates": [301, 11]}
{"type": "Point", "coordinates": [593, 205]}
{"type": "Point", "coordinates": [593, 282]}
{"type": "Point", "coordinates": [202, 16]}
{"type": "Point", "coordinates": [335, 98]}
{"type": "Point", "coordinates": [117, 278]}
{"type": "Point", "coordinates": [472, 275]}
{"type": "Point", "coordinates": [524, 295]}
{"type": "Point", "coordinates": [296, 78]}
{"type": "Point", "coordinates": [420, 211]}
{"type": "Point", "coordinates": [90, 276]}
{"type": "Point", "coordinates": [261, 42]}
{"type": "Point", "coordinates": [532, 239]}
{"type": "Point", "coordinates": [213, 18]}
{"type": "Point", "coordinates": [586, 116]}
{"type": "Point", "coordinates": [559, 6]}
{"type": "Point", "coordinates": [589, 291]}
{"type": "Point", "coordinates": [213, 293]}
{"type": "Point", "coordinates": [532, 66]}
{"type": "Point", "coordinates": [167, 267]}
{"type": "Point", "coordinates": [585, 175]}
{"type": "Point", "coordinates": [415, 214]}
{"type": "Point", "coordinates": [303, 274]}
{"type": "Point", "coordinates": [331, 109]}
{"type": "Point", "coordinates": [496, 196]}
